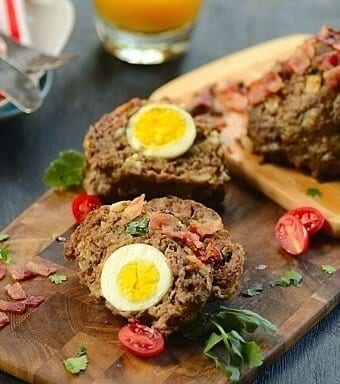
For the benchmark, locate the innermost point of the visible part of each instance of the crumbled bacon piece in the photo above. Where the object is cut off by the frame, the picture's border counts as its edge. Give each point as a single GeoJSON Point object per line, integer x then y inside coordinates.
{"type": "Point", "coordinates": [299, 62]}
{"type": "Point", "coordinates": [330, 37]}
{"type": "Point", "coordinates": [207, 228]}
{"type": "Point", "coordinates": [332, 78]}
{"type": "Point", "coordinates": [15, 291]}
{"type": "Point", "coordinates": [269, 84]}
{"type": "Point", "coordinates": [308, 47]}
{"type": "Point", "coordinates": [134, 209]}
{"type": "Point", "coordinates": [160, 220]}
{"type": "Point", "coordinates": [203, 102]}
{"type": "Point", "coordinates": [3, 270]}
{"type": "Point", "coordinates": [40, 268]}
{"type": "Point", "coordinates": [4, 319]}
{"type": "Point", "coordinates": [9, 306]}
{"type": "Point", "coordinates": [328, 61]}
{"type": "Point", "coordinates": [33, 301]}
{"type": "Point", "coordinates": [213, 253]}
{"type": "Point", "coordinates": [21, 272]}
{"type": "Point", "coordinates": [234, 100]}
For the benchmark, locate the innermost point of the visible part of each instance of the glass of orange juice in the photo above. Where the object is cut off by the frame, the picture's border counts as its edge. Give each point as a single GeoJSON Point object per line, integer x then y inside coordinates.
{"type": "Point", "coordinates": [146, 31]}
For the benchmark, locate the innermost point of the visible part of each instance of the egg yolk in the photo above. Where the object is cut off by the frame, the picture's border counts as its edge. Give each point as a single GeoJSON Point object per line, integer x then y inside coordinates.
{"type": "Point", "coordinates": [159, 126]}
{"type": "Point", "coordinates": [138, 280]}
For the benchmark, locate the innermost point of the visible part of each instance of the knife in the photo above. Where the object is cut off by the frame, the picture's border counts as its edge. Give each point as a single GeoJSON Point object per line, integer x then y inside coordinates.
{"type": "Point", "coordinates": [18, 88]}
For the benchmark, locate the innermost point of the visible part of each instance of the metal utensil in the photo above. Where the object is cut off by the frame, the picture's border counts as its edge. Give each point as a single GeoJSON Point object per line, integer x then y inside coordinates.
{"type": "Point", "coordinates": [29, 59]}
{"type": "Point", "coordinates": [18, 88]}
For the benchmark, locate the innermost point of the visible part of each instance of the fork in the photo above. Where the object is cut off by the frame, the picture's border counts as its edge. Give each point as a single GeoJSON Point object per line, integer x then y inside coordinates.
{"type": "Point", "coordinates": [18, 88]}
{"type": "Point", "coordinates": [31, 60]}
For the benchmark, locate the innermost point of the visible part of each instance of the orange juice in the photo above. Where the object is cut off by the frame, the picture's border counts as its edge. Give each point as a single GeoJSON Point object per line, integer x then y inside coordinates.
{"type": "Point", "coordinates": [148, 15]}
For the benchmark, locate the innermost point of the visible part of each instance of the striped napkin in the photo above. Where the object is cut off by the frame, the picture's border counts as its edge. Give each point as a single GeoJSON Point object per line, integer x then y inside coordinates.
{"type": "Point", "coordinates": [13, 23]}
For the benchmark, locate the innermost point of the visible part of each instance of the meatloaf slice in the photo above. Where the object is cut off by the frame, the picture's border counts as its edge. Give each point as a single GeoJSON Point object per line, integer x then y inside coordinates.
{"type": "Point", "coordinates": [114, 170]}
{"type": "Point", "coordinates": [202, 258]}
{"type": "Point", "coordinates": [298, 121]}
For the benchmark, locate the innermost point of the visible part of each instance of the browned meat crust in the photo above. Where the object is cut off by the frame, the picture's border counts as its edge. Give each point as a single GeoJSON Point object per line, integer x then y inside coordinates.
{"type": "Point", "coordinates": [300, 123]}
{"type": "Point", "coordinates": [113, 170]}
{"type": "Point", "coordinates": [194, 282]}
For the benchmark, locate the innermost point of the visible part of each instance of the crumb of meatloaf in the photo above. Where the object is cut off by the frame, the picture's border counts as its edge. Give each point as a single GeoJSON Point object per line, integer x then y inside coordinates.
{"type": "Point", "coordinates": [194, 283]}
{"type": "Point", "coordinates": [114, 170]}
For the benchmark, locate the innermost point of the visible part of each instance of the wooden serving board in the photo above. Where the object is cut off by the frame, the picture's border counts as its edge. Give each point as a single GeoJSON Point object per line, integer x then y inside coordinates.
{"type": "Point", "coordinates": [33, 346]}
{"type": "Point", "coordinates": [284, 185]}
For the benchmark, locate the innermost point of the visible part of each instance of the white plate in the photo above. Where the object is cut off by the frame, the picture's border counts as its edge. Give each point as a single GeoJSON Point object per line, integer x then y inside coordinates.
{"type": "Point", "coordinates": [50, 23]}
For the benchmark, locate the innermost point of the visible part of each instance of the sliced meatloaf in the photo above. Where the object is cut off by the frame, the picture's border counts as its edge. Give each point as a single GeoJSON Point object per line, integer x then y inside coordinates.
{"type": "Point", "coordinates": [203, 260]}
{"type": "Point", "coordinates": [295, 113]}
{"type": "Point", "coordinates": [114, 170]}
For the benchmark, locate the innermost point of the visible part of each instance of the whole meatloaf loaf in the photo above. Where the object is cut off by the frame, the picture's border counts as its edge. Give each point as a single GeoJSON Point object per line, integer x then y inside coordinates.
{"type": "Point", "coordinates": [119, 246]}
{"type": "Point", "coordinates": [114, 169]}
{"type": "Point", "coordinates": [295, 114]}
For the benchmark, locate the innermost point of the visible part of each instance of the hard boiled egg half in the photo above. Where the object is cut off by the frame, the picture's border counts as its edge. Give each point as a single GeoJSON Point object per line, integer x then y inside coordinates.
{"type": "Point", "coordinates": [135, 277]}
{"type": "Point", "coordinates": [161, 130]}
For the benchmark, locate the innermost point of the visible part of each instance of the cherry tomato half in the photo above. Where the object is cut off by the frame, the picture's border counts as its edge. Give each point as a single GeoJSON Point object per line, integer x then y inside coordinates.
{"type": "Point", "coordinates": [291, 234]}
{"type": "Point", "coordinates": [310, 217]}
{"type": "Point", "coordinates": [141, 340]}
{"type": "Point", "coordinates": [83, 204]}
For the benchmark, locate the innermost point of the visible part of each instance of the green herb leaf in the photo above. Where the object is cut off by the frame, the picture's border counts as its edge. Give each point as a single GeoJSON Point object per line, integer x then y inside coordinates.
{"type": "Point", "coordinates": [252, 354]}
{"type": "Point", "coordinates": [328, 268]}
{"type": "Point", "coordinates": [81, 351]}
{"type": "Point", "coordinates": [5, 255]}
{"type": "Point", "coordinates": [313, 192]}
{"type": "Point", "coordinates": [66, 171]}
{"type": "Point", "coordinates": [3, 236]}
{"type": "Point", "coordinates": [138, 227]}
{"type": "Point", "coordinates": [194, 329]}
{"type": "Point", "coordinates": [242, 319]}
{"type": "Point", "coordinates": [288, 278]}
{"type": "Point", "coordinates": [57, 279]}
{"type": "Point", "coordinates": [76, 364]}
{"type": "Point", "coordinates": [253, 291]}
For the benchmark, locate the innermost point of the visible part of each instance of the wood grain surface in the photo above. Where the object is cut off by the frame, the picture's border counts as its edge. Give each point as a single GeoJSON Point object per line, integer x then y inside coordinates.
{"type": "Point", "coordinates": [284, 185]}
{"type": "Point", "coordinates": [34, 345]}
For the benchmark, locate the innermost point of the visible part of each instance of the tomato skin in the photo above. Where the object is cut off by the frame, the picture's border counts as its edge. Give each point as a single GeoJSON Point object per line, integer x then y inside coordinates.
{"type": "Point", "coordinates": [83, 204]}
{"type": "Point", "coordinates": [310, 217]}
{"type": "Point", "coordinates": [141, 340]}
{"type": "Point", "coordinates": [291, 235]}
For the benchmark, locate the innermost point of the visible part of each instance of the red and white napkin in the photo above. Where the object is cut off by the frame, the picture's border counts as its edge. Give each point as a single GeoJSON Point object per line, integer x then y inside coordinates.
{"type": "Point", "coordinates": [13, 20]}
{"type": "Point", "coordinates": [13, 23]}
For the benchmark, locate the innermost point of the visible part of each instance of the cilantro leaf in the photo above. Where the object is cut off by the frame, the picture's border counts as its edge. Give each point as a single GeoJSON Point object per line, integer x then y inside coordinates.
{"type": "Point", "coordinates": [253, 291]}
{"type": "Point", "coordinates": [5, 255]}
{"type": "Point", "coordinates": [138, 227]}
{"type": "Point", "coordinates": [242, 319]}
{"type": "Point", "coordinates": [313, 192]}
{"type": "Point", "coordinates": [66, 171]}
{"type": "Point", "coordinates": [76, 364]}
{"type": "Point", "coordinates": [3, 236]}
{"type": "Point", "coordinates": [288, 278]}
{"type": "Point", "coordinates": [252, 354]}
{"type": "Point", "coordinates": [57, 279]}
{"type": "Point", "coordinates": [81, 351]}
{"type": "Point", "coordinates": [328, 268]}
{"type": "Point", "coordinates": [194, 329]}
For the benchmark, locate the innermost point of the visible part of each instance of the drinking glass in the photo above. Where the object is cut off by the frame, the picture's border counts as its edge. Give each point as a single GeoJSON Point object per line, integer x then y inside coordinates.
{"type": "Point", "coordinates": [146, 31]}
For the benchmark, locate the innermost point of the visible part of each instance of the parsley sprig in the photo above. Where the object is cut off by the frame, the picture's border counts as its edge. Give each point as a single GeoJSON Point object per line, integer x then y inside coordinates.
{"type": "Point", "coordinates": [5, 255]}
{"type": "Point", "coordinates": [57, 279]}
{"type": "Point", "coordinates": [77, 364]}
{"type": "Point", "coordinates": [138, 227]}
{"type": "Point", "coordinates": [228, 324]}
{"type": "Point", "coordinates": [66, 171]}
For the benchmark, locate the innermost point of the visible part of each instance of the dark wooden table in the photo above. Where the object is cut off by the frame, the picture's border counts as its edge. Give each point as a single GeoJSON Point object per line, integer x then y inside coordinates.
{"type": "Point", "coordinates": [96, 83]}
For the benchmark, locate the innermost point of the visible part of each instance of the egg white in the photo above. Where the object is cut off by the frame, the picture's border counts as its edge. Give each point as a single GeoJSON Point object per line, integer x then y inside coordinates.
{"type": "Point", "coordinates": [124, 255]}
{"type": "Point", "coordinates": [170, 150]}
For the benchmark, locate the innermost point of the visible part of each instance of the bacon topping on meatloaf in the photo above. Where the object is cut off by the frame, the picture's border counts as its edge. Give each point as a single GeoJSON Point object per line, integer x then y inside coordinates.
{"type": "Point", "coordinates": [4, 319]}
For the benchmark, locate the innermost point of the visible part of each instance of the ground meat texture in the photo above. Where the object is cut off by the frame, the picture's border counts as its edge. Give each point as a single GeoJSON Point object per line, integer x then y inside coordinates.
{"type": "Point", "coordinates": [114, 170]}
{"type": "Point", "coordinates": [194, 283]}
{"type": "Point", "coordinates": [300, 124]}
